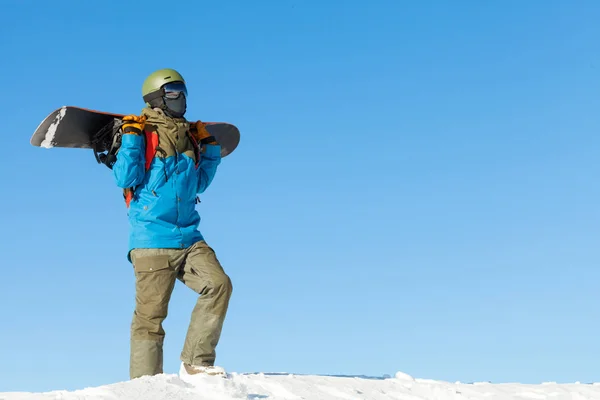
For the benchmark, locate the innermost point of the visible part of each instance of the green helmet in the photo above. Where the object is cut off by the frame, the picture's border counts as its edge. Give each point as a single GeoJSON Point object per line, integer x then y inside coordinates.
{"type": "Point", "coordinates": [156, 80]}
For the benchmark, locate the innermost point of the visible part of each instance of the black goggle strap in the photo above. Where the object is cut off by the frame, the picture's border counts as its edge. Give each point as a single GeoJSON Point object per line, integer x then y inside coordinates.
{"type": "Point", "coordinates": [154, 95]}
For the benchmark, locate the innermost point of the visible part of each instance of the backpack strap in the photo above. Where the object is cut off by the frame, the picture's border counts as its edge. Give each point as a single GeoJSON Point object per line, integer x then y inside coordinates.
{"type": "Point", "coordinates": [151, 144]}
{"type": "Point", "coordinates": [197, 152]}
{"type": "Point", "coordinates": [196, 146]}
{"type": "Point", "coordinates": [127, 195]}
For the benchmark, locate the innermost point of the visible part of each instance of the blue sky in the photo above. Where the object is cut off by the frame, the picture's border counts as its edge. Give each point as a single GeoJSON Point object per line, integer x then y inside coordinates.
{"type": "Point", "coordinates": [416, 188]}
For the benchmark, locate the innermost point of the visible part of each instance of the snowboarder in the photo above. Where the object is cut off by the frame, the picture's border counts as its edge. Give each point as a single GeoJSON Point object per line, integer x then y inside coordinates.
{"type": "Point", "coordinates": [163, 163]}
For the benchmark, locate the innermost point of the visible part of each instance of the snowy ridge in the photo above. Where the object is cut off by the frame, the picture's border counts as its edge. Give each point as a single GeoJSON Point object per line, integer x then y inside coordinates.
{"type": "Point", "coordinates": [290, 386]}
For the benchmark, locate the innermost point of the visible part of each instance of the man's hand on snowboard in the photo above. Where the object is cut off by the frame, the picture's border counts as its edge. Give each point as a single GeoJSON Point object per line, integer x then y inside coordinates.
{"type": "Point", "coordinates": [134, 125]}
{"type": "Point", "coordinates": [198, 129]}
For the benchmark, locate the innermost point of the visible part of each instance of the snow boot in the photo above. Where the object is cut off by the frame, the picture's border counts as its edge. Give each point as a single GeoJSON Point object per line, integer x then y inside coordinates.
{"type": "Point", "coordinates": [201, 370]}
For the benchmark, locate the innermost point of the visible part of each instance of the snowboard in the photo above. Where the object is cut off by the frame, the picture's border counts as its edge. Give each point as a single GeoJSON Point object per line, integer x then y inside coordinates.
{"type": "Point", "coordinates": [76, 127]}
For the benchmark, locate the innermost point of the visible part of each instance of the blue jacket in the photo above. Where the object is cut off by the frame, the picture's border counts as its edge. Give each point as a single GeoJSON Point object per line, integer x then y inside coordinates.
{"type": "Point", "coordinates": [162, 212]}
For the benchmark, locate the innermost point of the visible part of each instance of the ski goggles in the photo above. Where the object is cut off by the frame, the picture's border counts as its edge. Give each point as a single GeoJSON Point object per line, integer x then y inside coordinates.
{"type": "Point", "coordinates": [174, 89]}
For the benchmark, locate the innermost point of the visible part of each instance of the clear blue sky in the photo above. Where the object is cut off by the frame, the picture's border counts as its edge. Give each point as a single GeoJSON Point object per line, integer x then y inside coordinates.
{"type": "Point", "coordinates": [416, 189]}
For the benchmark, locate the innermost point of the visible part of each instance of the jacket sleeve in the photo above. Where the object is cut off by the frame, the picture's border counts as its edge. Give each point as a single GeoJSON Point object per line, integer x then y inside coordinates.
{"type": "Point", "coordinates": [129, 169]}
{"type": "Point", "coordinates": [211, 158]}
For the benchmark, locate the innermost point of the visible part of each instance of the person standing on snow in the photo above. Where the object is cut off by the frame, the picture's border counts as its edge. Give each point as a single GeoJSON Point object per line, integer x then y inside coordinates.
{"type": "Point", "coordinates": [163, 163]}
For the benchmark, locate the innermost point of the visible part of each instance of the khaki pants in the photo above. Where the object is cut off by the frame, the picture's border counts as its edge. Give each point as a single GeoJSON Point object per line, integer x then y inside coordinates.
{"type": "Point", "coordinates": [156, 271]}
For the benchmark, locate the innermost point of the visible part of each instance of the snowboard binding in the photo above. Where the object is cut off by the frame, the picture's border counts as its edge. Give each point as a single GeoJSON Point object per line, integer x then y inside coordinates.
{"type": "Point", "coordinates": [106, 143]}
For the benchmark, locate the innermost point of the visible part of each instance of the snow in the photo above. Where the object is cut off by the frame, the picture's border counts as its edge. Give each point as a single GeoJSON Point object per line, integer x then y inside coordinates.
{"type": "Point", "coordinates": [289, 386]}
{"type": "Point", "coordinates": [402, 376]}
{"type": "Point", "coordinates": [47, 142]}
